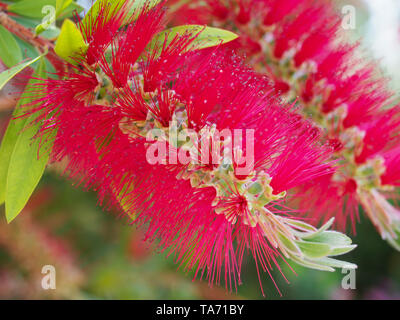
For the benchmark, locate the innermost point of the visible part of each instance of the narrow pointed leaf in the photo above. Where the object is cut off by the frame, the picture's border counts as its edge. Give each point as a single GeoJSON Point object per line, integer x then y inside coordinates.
{"type": "Point", "coordinates": [333, 238]}
{"type": "Point", "coordinates": [314, 249]}
{"type": "Point", "coordinates": [311, 264]}
{"type": "Point", "coordinates": [7, 75]}
{"type": "Point", "coordinates": [336, 263]}
{"type": "Point", "coordinates": [207, 36]}
{"type": "Point", "coordinates": [325, 227]}
{"type": "Point", "coordinates": [300, 225]}
{"type": "Point", "coordinates": [337, 251]}
{"type": "Point", "coordinates": [289, 244]}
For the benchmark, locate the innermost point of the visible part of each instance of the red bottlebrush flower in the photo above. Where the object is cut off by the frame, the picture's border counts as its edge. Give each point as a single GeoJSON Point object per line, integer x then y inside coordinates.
{"type": "Point", "coordinates": [100, 30]}
{"type": "Point", "coordinates": [206, 214]}
{"type": "Point", "coordinates": [344, 89]}
{"type": "Point", "coordinates": [186, 14]}
{"type": "Point", "coordinates": [300, 46]}
{"type": "Point", "coordinates": [132, 104]}
{"type": "Point", "coordinates": [251, 46]}
{"type": "Point", "coordinates": [281, 86]}
{"type": "Point", "coordinates": [218, 9]}
{"type": "Point", "coordinates": [130, 44]}
{"type": "Point", "coordinates": [334, 63]}
{"type": "Point", "coordinates": [278, 10]}
{"type": "Point", "coordinates": [164, 59]}
{"type": "Point", "coordinates": [381, 133]}
{"type": "Point", "coordinates": [392, 167]}
{"type": "Point", "coordinates": [243, 16]}
{"type": "Point", "coordinates": [312, 46]}
{"type": "Point", "coordinates": [365, 108]}
{"type": "Point", "coordinates": [308, 91]}
{"type": "Point", "coordinates": [324, 197]}
{"type": "Point", "coordinates": [295, 29]}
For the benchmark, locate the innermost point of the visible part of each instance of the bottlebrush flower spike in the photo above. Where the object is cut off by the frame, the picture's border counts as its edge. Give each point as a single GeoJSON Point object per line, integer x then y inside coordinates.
{"type": "Point", "coordinates": [156, 152]}
{"type": "Point", "coordinates": [99, 30]}
{"type": "Point", "coordinates": [302, 50]}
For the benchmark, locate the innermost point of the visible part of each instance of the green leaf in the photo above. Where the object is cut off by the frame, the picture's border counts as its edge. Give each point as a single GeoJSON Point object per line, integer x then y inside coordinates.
{"type": "Point", "coordinates": [325, 227]}
{"type": "Point", "coordinates": [311, 264]}
{"type": "Point", "coordinates": [333, 238]}
{"type": "Point", "coordinates": [48, 33]}
{"type": "Point", "coordinates": [10, 52]}
{"type": "Point", "coordinates": [26, 165]}
{"type": "Point", "coordinates": [336, 263]}
{"type": "Point", "coordinates": [29, 8]}
{"type": "Point", "coordinates": [12, 133]}
{"type": "Point", "coordinates": [206, 36]}
{"type": "Point", "coordinates": [7, 75]}
{"type": "Point", "coordinates": [395, 241]}
{"type": "Point", "coordinates": [314, 249]}
{"type": "Point", "coordinates": [36, 9]}
{"type": "Point", "coordinates": [61, 5]}
{"type": "Point", "coordinates": [300, 225]}
{"type": "Point", "coordinates": [69, 11]}
{"type": "Point", "coordinates": [289, 244]}
{"type": "Point", "coordinates": [337, 251]}
{"type": "Point", "coordinates": [70, 43]}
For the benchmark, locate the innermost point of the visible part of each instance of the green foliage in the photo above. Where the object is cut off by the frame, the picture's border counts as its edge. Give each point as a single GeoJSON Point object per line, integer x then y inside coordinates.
{"type": "Point", "coordinates": [61, 5]}
{"type": "Point", "coordinates": [21, 168]}
{"type": "Point", "coordinates": [7, 75]}
{"type": "Point", "coordinates": [318, 246]}
{"type": "Point", "coordinates": [35, 9]}
{"type": "Point", "coordinates": [10, 52]}
{"type": "Point", "coordinates": [70, 44]}
{"type": "Point", "coordinates": [206, 36]}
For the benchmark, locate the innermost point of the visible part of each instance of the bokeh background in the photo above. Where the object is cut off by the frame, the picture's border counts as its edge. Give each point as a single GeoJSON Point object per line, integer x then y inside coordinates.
{"type": "Point", "coordinates": [98, 256]}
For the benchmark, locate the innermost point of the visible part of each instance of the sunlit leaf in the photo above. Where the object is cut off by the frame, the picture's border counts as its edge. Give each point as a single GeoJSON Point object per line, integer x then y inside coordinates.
{"type": "Point", "coordinates": [61, 5]}
{"type": "Point", "coordinates": [337, 251]}
{"type": "Point", "coordinates": [70, 44]}
{"type": "Point", "coordinates": [7, 75]}
{"type": "Point", "coordinates": [206, 36]}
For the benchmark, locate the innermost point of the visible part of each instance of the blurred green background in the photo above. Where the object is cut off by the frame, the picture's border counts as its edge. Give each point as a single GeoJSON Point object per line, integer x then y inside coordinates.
{"type": "Point", "coordinates": [99, 256]}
